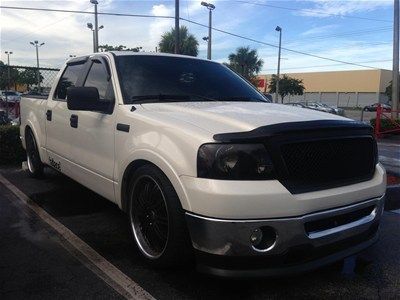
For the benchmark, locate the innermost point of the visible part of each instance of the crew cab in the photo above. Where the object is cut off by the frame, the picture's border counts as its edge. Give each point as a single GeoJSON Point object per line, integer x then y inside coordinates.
{"type": "Point", "coordinates": [206, 168]}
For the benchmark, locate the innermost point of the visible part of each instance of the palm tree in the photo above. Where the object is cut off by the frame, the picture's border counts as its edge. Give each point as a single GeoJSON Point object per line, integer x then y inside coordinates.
{"type": "Point", "coordinates": [245, 62]}
{"type": "Point", "coordinates": [188, 43]}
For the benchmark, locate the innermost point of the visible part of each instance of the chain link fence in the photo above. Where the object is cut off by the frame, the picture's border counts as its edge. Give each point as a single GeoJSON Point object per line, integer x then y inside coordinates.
{"type": "Point", "coordinates": [24, 79]}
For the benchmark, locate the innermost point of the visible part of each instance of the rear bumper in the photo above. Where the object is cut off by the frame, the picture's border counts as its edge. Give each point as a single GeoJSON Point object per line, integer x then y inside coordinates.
{"type": "Point", "coordinates": [223, 247]}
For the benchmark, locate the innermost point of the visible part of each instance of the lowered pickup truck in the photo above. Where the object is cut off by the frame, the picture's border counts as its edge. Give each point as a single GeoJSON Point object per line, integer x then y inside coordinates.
{"type": "Point", "coordinates": [205, 167]}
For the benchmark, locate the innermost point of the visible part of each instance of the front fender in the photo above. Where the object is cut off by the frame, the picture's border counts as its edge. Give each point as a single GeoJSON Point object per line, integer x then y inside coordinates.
{"type": "Point", "coordinates": [161, 163]}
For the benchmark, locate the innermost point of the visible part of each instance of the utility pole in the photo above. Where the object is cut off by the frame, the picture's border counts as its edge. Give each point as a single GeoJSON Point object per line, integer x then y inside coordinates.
{"type": "Point", "coordinates": [8, 53]}
{"type": "Point", "coordinates": [395, 72]}
{"type": "Point", "coordinates": [37, 45]}
{"type": "Point", "coordinates": [177, 37]}
{"type": "Point", "coordinates": [96, 27]}
{"type": "Point", "coordinates": [279, 29]}
{"type": "Point", "coordinates": [210, 8]}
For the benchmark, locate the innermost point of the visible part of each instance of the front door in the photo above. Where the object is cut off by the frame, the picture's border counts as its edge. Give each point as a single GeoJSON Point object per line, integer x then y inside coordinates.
{"type": "Point", "coordinates": [93, 134]}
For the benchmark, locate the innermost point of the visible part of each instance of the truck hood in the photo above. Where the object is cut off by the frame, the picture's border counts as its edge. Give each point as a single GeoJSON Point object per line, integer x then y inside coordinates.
{"type": "Point", "coordinates": [220, 117]}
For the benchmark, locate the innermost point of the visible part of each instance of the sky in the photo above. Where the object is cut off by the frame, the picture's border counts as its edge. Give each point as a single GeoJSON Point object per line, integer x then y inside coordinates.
{"type": "Point", "coordinates": [351, 31]}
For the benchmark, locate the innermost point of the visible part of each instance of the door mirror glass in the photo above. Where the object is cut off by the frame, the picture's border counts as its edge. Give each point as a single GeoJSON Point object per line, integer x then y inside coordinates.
{"type": "Point", "coordinates": [85, 98]}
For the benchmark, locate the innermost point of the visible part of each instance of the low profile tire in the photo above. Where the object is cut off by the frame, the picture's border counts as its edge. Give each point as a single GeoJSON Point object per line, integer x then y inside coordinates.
{"type": "Point", "coordinates": [35, 165]}
{"type": "Point", "coordinates": [157, 219]}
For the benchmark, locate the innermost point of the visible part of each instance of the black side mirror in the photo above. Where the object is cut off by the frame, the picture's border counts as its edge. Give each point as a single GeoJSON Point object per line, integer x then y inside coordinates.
{"type": "Point", "coordinates": [85, 98]}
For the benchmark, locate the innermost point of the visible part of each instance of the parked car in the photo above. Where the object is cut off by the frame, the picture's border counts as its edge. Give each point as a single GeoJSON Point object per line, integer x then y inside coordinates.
{"type": "Point", "coordinates": [205, 167]}
{"type": "Point", "coordinates": [337, 110]}
{"type": "Point", "coordinates": [320, 107]}
{"type": "Point", "coordinates": [10, 96]}
{"type": "Point", "coordinates": [32, 93]}
{"type": "Point", "coordinates": [268, 97]}
{"type": "Point", "coordinates": [15, 122]}
{"type": "Point", "coordinates": [3, 118]}
{"type": "Point", "coordinates": [296, 104]}
{"type": "Point", "coordinates": [373, 107]}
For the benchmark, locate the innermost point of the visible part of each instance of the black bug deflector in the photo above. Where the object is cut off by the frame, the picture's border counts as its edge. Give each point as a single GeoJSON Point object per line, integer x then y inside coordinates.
{"type": "Point", "coordinates": [319, 126]}
{"type": "Point", "coordinates": [315, 155]}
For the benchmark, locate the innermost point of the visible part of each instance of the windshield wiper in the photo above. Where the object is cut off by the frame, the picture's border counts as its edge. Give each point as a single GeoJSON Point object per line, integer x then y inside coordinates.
{"type": "Point", "coordinates": [241, 98]}
{"type": "Point", "coordinates": [202, 97]}
{"type": "Point", "coordinates": [159, 97]}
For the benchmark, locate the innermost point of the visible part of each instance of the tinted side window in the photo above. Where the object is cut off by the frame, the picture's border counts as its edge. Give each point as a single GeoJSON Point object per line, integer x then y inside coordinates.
{"type": "Point", "coordinates": [98, 78]}
{"type": "Point", "coordinates": [68, 79]}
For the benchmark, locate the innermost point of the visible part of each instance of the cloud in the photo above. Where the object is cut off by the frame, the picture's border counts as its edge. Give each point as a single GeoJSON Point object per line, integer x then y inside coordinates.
{"type": "Point", "coordinates": [66, 34]}
{"type": "Point", "coordinates": [159, 26]}
{"type": "Point", "coordinates": [319, 29]}
{"type": "Point", "coordinates": [324, 8]}
{"type": "Point", "coordinates": [350, 51]}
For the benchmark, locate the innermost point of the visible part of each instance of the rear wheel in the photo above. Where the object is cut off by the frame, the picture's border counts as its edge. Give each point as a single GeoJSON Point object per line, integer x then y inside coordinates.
{"type": "Point", "coordinates": [35, 165]}
{"type": "Point", "coordinates": [157, 219]}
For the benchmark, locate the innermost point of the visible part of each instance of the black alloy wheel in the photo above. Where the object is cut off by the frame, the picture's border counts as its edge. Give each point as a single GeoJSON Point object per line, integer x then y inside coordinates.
{"type": "Point", "coordinates": [157, 219]}
{"type": "Point", "coordinates": [35, 165]}
{"type": "Point", "coordinates": [149, 217]}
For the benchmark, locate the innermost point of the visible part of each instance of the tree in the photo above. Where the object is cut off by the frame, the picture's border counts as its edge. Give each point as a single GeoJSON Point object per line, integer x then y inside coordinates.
{"type": "Point", "coordinates": [245, 62]}
{"type": "Point", "coordinates": [3, 76]}
{"type": "Point", "coordinates": [28, 77]}
{"type": "Point", "coordinates": [106, 48]}
{"type": "Point", "coordinates": [287, 86]}
{"type": "Point", "coordinates": [14, 77]}
{"type": "Point", "coordinates": [188, 44]}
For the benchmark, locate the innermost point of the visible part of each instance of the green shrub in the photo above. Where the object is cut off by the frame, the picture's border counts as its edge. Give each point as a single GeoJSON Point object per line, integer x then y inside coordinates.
{"type": "Point", "coordinates": [11, 151]}
{"type": "Point", "coordinates": [386, 124]}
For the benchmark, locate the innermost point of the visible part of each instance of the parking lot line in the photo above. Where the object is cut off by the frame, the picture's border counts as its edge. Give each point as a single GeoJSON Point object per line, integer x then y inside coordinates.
{"type": "Point", "coordinates": [86, 254]}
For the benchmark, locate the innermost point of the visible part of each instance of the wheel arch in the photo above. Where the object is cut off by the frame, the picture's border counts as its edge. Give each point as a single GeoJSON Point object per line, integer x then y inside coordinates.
{"type": "Point", "coordinates": [29, 127]}
{"type": "Point", "coordinates": [162, 165]}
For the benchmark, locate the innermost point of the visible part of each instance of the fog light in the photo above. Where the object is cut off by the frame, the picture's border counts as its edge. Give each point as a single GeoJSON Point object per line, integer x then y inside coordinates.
{"type": "Point", "coordinates": [256, 237]}
{"type": "Point", "coordinates": [263, 238]}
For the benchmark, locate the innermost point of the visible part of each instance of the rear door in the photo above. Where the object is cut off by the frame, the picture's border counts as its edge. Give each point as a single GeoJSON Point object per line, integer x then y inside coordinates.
{"type": "Point", "coordinates": [93, 140]}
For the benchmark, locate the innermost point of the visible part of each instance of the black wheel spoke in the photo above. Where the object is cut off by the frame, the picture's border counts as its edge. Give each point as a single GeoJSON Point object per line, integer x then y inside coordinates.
{"type": "Point", "coordinates": [146, 191]}
{"type": "Point", "coordinates": [141, 200]}
{"type": "Point", "coordinates": [162, 221]}
{"type": "Point", "coordinates": [162, 235]}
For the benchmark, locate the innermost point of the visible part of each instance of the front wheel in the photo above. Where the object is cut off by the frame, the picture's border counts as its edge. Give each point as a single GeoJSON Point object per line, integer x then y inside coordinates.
{"type": "Point", "coordinates": [157, 219]}
{"type": "Point", "coordinates": [35, 165]}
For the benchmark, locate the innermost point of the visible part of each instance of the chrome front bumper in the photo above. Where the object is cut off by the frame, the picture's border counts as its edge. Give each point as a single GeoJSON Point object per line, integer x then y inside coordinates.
{"type": "Point", "coordinates": [335, 231]}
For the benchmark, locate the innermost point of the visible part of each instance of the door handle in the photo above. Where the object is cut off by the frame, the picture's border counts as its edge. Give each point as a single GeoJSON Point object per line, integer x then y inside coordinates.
{"type": "Point", "coordinates": [73, 121]}
{"type": "Point", "coordinates": [48, 115]}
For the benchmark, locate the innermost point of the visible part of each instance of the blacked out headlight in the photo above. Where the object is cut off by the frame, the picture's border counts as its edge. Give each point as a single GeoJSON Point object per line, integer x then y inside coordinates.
{"type": "Point", "coordinates": [234, 162]}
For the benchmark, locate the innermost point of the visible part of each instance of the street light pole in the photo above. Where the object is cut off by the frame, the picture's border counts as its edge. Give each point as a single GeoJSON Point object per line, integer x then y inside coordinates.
{"type": "Point", "coordinates": [90, 26]}
{"type": "Point", "coordinates": [8, 79]}
{"type": "Point", "coordinates": [96, 27]}
{"type": "Point", "coordinates": [395, 72]}
{"type": "Point", "coordinates": [210, 8]}
{"type": "Point", "coordinates": [209, 34]}
{"type": "Point", "coordinates": [279, 29]}
{"type": "Point", "coordinates": [37, 45]}
{"type": "Point", "coordinates": [177, 33]}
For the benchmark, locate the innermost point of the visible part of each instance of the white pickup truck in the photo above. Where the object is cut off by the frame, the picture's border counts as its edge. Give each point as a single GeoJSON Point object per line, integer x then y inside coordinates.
{"type": "Point", "coordinates": [205, 167]}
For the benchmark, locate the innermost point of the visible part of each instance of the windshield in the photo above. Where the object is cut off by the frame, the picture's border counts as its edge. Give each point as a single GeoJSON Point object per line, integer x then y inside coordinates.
{"type": "Point", "coordinates": [10, 93]}
{"type": "Point", "coordinates": [173, 79]}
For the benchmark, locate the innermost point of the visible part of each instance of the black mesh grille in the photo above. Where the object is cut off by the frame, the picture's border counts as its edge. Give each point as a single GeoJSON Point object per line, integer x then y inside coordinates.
{"type": "Point", "coordinates": [319, 164]}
